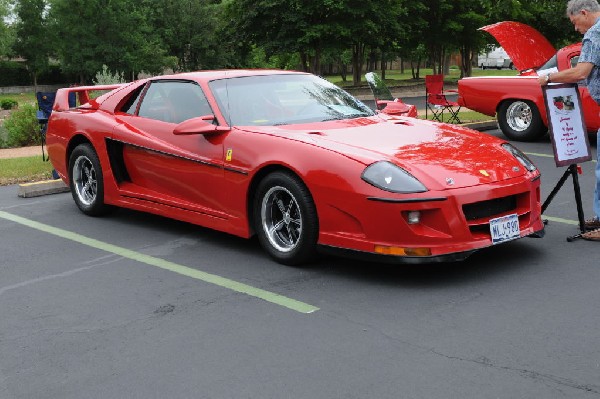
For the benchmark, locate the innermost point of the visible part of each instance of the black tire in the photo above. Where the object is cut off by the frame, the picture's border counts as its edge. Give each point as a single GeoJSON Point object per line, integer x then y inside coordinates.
{"type": "Point", "coordinates": [285, 219]}
{"type": "Point", "coordinates": [86, 181]}
{"type": "Point", "coordinates": [520, 120]}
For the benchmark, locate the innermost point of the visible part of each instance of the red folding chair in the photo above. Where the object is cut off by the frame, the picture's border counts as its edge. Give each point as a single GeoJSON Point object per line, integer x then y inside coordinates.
{"type": "Point", "coordinates": [436, 99]}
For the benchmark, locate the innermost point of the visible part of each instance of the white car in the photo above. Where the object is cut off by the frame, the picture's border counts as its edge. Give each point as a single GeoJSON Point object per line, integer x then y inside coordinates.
{"type": "Point", "coordinates": [496, 58]}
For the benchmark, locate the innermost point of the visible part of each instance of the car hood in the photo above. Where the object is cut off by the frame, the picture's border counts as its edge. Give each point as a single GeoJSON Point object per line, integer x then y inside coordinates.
{"type": "Point", "coordinates": [440, 156]}
{"type": "Point", "coordinates": [526, 47]}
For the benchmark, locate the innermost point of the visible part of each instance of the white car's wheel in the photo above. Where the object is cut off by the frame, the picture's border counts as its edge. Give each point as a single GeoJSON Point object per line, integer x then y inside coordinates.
{"type": "Point", "coordinates": [520, 120]}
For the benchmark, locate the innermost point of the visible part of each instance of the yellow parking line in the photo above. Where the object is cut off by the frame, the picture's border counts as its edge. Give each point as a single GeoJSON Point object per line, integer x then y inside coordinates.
{"type": "Point", "coordinates": [561, 220]}
{"type": "Point", "coordinates": [536, 154]}
{"type": "Point", "coordinates": [551, 218]}
{"type": "Point", "coordinates": [166, 265]}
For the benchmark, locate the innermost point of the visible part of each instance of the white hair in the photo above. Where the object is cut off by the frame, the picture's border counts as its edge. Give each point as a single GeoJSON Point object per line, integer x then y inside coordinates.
{"type": "Point", "coordinates": [576, 6]}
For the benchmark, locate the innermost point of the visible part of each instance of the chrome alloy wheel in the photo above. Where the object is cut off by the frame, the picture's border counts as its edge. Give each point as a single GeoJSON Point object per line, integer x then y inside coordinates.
{"type": "Point", "coordinates": [519, 116]}
{"type": "Point", "coordinates": [281, 218]}
{"type": "Point", "coordinates": [84, 177]}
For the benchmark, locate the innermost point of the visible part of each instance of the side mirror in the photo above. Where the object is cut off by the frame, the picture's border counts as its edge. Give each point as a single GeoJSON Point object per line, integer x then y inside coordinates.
{"type": "Point", "coordinates": [385, 101]}
{"type": "Point", "coordinates": [199, 125]}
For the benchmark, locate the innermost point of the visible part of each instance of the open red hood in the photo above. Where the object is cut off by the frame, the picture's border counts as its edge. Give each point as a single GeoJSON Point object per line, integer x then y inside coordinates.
{"type": "Point", "coordinates": [526, 47]}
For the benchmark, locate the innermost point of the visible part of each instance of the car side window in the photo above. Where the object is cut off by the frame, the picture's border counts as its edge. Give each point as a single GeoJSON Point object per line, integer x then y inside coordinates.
{"type": "Point", "coordinates": [174, 101]}
{"type": "Point", "coordinates": [574, 61]}
{"type": "Point", "coordinates": [131, 104]}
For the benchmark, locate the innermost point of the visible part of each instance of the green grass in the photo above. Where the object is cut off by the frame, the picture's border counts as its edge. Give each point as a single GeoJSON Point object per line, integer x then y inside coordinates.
{"type": "Point", "coordinates": [464, 116]}
{"type": "Point", "coordinates": [20, 98]}
{"type": "Point", "coordinates": [22, 170]}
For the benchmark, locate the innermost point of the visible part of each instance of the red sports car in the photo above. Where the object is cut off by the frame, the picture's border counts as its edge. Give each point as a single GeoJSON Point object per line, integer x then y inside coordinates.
{"type": "Point", "coordinates": [518, 100]}
{"type": "Point", "coordinates": [295, 160]}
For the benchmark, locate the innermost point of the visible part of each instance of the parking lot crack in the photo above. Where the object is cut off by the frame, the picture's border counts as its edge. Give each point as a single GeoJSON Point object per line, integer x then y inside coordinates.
{"type": "Point", "coordinates": [44, 278]}
{"type": "Point", "coordinates": [531, 374]}
{"type": "Point", "coordinates": [554, 380]}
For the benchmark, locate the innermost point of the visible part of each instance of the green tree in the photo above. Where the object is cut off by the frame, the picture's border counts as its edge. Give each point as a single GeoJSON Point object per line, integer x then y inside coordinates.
{"type": "Point", "coordinates": [105, 32]}
{"type": "Point", "coordinates": [7, 35]}
{"type": "Point", "coordinates": [441, 30]}
{"type": "Point", "coordinates": [370, 26]}
{"type": "Point", "coordinates": [469, 17]}
{"type": "Point", "coordinates": [33, 41]}
{"type": "Point", "coordinates": [409, 45]}
{"type": "Point", "coordinates": [312, 29]}
{"type": "Point", "coordinates": [282, 26]}
{"type": "Point", "coordinates": [196, 39]}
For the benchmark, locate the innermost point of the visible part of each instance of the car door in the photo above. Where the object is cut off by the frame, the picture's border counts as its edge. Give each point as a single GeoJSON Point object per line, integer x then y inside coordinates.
{"type": "Point", "coordinates": [183, 171]}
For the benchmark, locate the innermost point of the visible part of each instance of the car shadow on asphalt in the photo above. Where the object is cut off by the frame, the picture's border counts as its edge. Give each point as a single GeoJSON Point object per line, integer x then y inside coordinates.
{"type": "Point", "coordinates": [227, 249]}
{"type": "Point", "coordinates": [489, 262]}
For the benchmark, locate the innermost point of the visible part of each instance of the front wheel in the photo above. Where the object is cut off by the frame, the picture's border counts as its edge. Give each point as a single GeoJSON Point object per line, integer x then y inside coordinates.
{"type": "Point", "coordinates": [285, 219]}
{"type": "Point", "coordinates": [520, 120]}
{"type": "Point", "coordinates": [86, 181]}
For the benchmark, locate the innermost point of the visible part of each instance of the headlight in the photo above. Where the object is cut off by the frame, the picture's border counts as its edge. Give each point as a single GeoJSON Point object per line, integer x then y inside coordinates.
{"type": "Point", "coordinates": [389, 177]}
{"type": "Point", "coordinates": [522, 158]}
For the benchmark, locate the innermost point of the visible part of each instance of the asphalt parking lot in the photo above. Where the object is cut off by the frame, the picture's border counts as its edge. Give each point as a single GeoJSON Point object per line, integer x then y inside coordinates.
{"type": "Point", "coordinates": [137, 306]}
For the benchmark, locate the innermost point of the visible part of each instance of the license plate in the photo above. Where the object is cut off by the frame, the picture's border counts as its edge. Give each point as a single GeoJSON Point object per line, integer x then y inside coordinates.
{"type": "Point", "coordinates": [505, 228]}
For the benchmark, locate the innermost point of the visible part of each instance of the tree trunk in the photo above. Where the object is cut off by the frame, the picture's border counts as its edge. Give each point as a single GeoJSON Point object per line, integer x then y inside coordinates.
{"type": "Point", "coordinates": [35, 84]}
{"type": "Point", "coordinates": [446, 68]}
{"type": "Point", "coordinates": [358, 59]}
{"type": "Point", "coordinates": [343, 72]}
{"type": "Point", "coordinates": [304, 61]}
{"type": "Point", "coordinates": [466, 60]}
{"type": "Point", "coordinates": [316, 62]}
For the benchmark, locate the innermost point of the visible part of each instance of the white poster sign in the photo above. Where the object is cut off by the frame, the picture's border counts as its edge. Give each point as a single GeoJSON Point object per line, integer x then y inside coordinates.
{"type": "Point", "coordinates": [566, 124]}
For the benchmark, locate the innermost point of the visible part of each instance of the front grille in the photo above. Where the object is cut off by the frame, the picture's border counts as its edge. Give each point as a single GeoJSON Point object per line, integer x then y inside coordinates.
{"type": "Point", "coordinates": [486, 209]}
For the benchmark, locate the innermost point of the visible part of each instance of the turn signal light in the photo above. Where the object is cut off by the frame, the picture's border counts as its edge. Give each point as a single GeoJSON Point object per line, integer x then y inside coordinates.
{"type": "Point", "coordinates": [399, 251]}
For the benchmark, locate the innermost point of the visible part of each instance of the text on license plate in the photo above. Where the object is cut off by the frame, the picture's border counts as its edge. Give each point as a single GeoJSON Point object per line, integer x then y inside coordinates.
{"type": "Point", "coordinates": [505, 228]}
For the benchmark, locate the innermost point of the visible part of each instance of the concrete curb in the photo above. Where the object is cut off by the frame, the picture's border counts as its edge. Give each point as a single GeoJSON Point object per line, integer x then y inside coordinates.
{"type": "Point", "coordinates": [28, 190]}
{"type": "Point", "coordinates": [481, 126]}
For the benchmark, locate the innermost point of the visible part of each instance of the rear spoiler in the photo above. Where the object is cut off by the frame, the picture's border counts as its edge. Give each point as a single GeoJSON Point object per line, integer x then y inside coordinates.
{"type": "Point", "coordinates": [61, 103]}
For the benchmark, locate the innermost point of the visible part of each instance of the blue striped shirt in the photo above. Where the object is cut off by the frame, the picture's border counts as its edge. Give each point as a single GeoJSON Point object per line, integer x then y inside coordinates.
{"type": "Point", "coordinates": [590, 52]}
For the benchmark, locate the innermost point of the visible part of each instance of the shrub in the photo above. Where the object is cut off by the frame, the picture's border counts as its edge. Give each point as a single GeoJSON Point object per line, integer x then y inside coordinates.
{"type": "Point", "coordinates": [8, 103]}
{"type": "Point", "coordinates": [22, 127]}
{"type": "Point", "coordinates": [3, 134]}
{"type": "Point", "coordinates": [105, 77]}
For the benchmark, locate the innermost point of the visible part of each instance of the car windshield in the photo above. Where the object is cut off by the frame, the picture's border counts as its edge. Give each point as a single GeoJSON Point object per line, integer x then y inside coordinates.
{"type": "Point", "coordinates": [551, 63]}
{"type": "Point", "coordinates": [272, 100]}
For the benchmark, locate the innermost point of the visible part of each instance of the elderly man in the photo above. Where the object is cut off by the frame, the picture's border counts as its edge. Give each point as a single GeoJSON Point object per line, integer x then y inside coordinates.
{"type": "Point", "coordinates": [585, 16]}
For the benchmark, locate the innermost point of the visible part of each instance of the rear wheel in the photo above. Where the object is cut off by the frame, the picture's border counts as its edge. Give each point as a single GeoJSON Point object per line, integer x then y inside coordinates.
{"type": "Point", "coordinates": [520, 120]}
{"type": "Point", "coordinates": [86, 181]}
{"type": "Point", "coordinates": [285, 219]}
